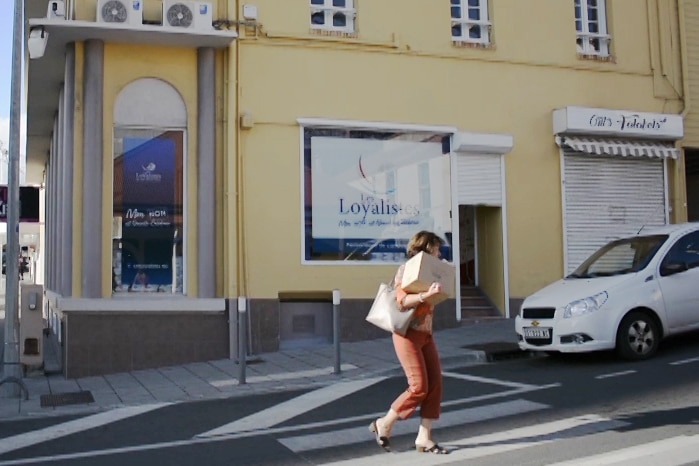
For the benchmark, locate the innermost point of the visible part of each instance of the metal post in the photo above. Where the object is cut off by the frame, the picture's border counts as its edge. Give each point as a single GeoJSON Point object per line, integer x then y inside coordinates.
{"type": "Point", "coordinates": [232, 328]}
{"type": "Point", "coordinates": [242, 338]}
{"type": "Point", "coordinates": [336, 329]}
{"type": "Point", "coordinates": [12, 371]}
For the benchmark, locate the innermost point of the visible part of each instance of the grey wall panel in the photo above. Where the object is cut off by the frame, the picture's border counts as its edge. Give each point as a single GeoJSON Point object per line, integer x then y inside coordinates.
{"type": "Point", "coordinates": [66, 199]}
{"type": "Point", "coordinates": [93, 82]}
{"type": "Point", "coordinates": [206, 174]}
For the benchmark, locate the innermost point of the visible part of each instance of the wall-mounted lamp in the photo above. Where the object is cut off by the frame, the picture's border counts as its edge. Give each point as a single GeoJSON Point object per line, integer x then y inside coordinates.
{"type": "Point", "coordinates": [36, 44]}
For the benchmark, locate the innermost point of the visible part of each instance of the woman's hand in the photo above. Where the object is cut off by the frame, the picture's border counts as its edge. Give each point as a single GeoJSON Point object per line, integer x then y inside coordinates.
{"type": "Point", "coordinates": [435, 288]}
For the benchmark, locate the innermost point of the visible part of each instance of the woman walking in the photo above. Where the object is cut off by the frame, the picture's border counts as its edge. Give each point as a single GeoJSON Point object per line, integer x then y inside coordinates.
{"type": "Point", "coordinates": [417, 353]}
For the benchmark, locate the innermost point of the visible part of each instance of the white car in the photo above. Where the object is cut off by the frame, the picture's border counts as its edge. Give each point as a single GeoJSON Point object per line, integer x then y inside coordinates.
{"type": "Point", "coordinates": [627, 296]}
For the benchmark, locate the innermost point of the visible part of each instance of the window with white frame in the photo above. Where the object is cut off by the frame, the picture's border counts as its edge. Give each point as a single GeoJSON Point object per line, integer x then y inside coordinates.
{"type": "Point", "coordinates": [591, 27]}
{"type": "Point", "coordinates": [333, 15]}
{"type": "Point", "coordinates": [148, 190]}
{"type": "Point", "coordinates": [469, 21]}
{"type": "Point", "coordinates": [367, 191]}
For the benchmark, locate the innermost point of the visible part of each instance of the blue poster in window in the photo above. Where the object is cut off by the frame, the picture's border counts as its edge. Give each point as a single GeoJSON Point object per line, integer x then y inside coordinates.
{"type": "Point", "coordinates": [148, 214]}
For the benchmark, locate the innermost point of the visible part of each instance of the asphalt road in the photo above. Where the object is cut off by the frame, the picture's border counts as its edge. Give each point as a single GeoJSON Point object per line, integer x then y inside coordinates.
{"type": "Point", "coordinates": [532, 411]}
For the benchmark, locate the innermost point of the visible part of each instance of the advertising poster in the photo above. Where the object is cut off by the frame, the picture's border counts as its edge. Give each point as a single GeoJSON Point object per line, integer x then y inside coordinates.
{"type": "Point", "coordinates": [148, 205]}
{"type": "Point", "coordinates": [370, 196]}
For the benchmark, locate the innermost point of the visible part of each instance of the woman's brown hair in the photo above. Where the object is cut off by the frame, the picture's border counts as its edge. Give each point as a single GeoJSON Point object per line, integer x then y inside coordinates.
{"type": "Point", "coordinates": [423, 241]}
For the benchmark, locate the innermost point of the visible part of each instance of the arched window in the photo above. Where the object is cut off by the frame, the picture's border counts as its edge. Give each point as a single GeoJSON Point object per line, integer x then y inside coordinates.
{"type": "Point", "coordinates": [150, 120]}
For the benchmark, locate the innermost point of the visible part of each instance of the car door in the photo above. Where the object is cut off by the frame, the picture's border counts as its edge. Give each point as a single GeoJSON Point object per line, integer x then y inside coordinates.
{"type": "Point", "coordinates": [679, 281]}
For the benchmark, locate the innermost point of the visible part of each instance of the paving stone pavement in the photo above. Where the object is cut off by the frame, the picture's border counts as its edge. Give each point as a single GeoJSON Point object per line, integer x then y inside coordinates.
{"type": "Point", "coordinates": [264, 373]}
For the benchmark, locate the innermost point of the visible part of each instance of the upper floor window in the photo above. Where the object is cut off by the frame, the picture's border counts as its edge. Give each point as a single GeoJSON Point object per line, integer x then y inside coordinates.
{"type": "Point", "coordinates": [333, 15]}
{"type": "Point", "coordinates": [469, 21]}
{"type": "Point", "coordinates": [591, 27]}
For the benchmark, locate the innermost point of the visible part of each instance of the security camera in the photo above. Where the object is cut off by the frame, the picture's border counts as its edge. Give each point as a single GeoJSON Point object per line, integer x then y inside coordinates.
{"type": "Point", "coordinates": [36, 44]}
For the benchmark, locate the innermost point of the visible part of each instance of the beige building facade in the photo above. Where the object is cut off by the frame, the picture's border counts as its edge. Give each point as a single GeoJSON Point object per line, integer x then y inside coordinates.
{"type": "Point", "coordinates": [196, 152]}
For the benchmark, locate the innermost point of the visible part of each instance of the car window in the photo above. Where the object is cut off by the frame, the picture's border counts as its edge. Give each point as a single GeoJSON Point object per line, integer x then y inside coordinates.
{"type": "Point", "coordinates": [618, 258]}
{"type": "Point", "coordinates": [622, 256]}
{"type": "Point", "coordinates": [684, 251]}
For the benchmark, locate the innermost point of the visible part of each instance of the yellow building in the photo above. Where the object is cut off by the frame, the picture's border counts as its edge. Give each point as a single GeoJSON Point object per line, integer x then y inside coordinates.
{"type": "Point", "coordinates": [689, 21]}
{"type": "Point", "coordinates": [194, 152]}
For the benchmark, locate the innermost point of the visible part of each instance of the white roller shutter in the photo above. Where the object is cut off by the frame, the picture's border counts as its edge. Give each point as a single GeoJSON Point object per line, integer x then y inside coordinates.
{"type": "Point", "coordinates": [608, 197]}
{"type": "Point", "coordinates": [479, 179]}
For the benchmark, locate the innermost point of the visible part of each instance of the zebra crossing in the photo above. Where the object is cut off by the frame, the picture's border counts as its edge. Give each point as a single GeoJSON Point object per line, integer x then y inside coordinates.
{"type": "Point", "coordinates": [673, 451]}
{"type": "Point", "coordinates": [283, 423]}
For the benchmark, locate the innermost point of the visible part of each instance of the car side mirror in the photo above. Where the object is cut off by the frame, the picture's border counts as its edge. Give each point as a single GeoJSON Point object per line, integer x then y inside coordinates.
{"type": "Point", "coordinates": [672, 268]}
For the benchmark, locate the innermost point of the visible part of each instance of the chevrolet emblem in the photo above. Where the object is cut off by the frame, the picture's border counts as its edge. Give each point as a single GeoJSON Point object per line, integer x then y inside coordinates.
{"type": "Point", "coordinates": [535, 323]}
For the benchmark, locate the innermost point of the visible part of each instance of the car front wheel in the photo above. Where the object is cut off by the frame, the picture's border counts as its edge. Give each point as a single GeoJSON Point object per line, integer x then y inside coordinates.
{"type": "Point", "coordinates": [637, 337]}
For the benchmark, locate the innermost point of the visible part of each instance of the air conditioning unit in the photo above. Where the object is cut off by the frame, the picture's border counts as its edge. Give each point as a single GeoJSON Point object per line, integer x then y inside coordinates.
{"type": "Point", "coordinates": [126, 12]}
{"type": "Point", "coordinates": [56, 10]}
{"type": "Point", "coordinates": [187, 15]}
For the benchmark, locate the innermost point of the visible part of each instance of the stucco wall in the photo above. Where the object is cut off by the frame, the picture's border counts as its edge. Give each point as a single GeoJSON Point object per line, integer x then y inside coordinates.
{"type": "Point", "coordinates": [402, 68]}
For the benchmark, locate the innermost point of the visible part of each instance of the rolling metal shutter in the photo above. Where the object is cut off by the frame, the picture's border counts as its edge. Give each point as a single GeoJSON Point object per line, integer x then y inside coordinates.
{"type": "Point", "coordinates": [608, 197]}
{"type": "Point", "coordinates": [479, 179]}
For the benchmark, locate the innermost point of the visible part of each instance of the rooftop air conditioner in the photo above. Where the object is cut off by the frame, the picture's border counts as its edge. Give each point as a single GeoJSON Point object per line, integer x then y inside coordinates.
{"type": "Point", "coordinates": [126, 12]}
{"type": "Point", "coordinates": [187, 15]}
{"type": "Point", "coordinates": [56, 10]}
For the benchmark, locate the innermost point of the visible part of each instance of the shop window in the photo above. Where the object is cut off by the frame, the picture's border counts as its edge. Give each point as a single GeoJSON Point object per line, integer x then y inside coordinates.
{"type": "Point", "coordinates": [148, 190]}
{"type": "Point", "coordinates": [470, 22]}
{"type": "Point", "coordinates": [333, 15]}
{"type": "Point", "coordinates": [591, 27]}
{"type": "Point", "coordinates": [366, 192]}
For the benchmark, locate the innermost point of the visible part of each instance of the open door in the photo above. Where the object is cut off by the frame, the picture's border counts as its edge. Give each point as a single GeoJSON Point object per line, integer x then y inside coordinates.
{"type": "Point", "coordinates": [692, 183]}
{"type": "Point", "coordinates": [467, 245]}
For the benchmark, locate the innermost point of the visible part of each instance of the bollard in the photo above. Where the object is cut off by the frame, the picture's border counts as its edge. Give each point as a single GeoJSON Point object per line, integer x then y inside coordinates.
{"type": "Point", "coordinates": [242, 338]}
{"type": "Point", "coordinates": [232, 306]}
{"type": "Point", "coordinates": [336, 328]}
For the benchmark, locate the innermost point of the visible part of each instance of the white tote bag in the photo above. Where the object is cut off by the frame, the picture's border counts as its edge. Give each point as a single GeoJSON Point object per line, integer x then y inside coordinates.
{"type": "Point", "coordinates": [386, 314]}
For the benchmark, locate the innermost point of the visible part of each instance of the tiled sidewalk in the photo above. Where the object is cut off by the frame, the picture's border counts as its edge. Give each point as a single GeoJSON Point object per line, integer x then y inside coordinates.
{"type": "Point", "coordinates": [265, 373]}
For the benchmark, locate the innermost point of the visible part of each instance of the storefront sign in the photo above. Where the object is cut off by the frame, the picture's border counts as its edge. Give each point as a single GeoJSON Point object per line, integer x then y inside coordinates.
{"type": "Point", "coordinates": [623, 123]}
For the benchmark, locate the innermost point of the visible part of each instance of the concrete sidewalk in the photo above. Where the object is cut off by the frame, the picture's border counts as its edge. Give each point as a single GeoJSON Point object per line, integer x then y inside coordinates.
{"type": "Point", "coordinates": [52, 394]}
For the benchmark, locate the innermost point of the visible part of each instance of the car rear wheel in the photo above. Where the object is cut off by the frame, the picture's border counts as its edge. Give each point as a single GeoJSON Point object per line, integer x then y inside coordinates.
{"type": "Point", "coordinates": [637, 337]}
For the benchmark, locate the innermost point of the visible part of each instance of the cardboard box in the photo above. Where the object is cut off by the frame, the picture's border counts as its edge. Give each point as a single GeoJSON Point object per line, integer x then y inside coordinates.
{"type": "Point", "coordinates": [422, 270]}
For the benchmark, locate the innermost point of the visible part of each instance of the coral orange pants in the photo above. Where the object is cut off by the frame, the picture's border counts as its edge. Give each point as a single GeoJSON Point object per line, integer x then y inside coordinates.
{"type": "Point", "coordinates": [417, 353]}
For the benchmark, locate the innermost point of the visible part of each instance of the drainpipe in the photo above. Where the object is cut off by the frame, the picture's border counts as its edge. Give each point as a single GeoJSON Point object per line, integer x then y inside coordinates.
{"type": "Point", "coordinates": [682, 17]}
{"type": "Point", "coordinates": [241, 276]}
{"type": "Point", "coordinates": [687, 102]}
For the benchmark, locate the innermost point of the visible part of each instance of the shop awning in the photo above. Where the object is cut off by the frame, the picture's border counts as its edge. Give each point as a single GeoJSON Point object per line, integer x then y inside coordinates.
{"type": "Point", "coordinates": [604, 146]}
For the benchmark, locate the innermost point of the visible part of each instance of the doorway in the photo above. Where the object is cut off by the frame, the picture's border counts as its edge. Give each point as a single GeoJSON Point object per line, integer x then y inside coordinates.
{"type": "Point", "coordinates": [467, 245]}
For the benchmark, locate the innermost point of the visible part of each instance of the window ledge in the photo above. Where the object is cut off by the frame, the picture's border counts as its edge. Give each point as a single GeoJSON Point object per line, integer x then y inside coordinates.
{"type": "Point", "coordinates": [472, 45]}
{"type": "Point", "coordinates": [334, 33]}
{"type": "Point", "coordinates": [165, 304]}
{"type": "Point", "coordinates": [598, 58]}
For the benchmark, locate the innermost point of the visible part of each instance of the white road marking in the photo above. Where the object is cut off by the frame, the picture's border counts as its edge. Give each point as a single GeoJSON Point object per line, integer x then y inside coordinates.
{"type": "Point", "coordinates": [71, 427]}
{"type": "Point", "coordinates": [260, 429]}
{"type": "Point", "coordinates": [289, 409]}
{"type": "Point", "coordinates": [284, 375]}
{"type": "Point", "coordinates": [491, 444]}
{"type": "Point", "coordinates": [452, 418]}
{"type": "Point", "coordinates": [473, 378]}
{"type": "Point", "coordinates": [615, 374]}
{"type": "Point", "coordinates": [668, 452]}
{"type": "Point", "coordinates": [684, 361]}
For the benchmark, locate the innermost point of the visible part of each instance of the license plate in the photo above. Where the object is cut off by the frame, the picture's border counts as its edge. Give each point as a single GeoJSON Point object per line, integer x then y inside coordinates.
{"type": "Point", "coordinates": [536, 332]}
